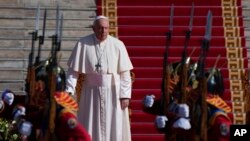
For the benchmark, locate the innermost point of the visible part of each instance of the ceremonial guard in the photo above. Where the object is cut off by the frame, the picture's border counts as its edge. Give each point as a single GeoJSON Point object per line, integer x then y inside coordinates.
{"type": "Point", "coordinates": [219, 120]}
{"type": "Point", "coordinates": [67, 126]}
{"type": "Point", "coordinates": [60, 124]}
{"type": "Point", "coordinates": [51, 110]}
{"type": "Point", "coordinates": [176, 119]}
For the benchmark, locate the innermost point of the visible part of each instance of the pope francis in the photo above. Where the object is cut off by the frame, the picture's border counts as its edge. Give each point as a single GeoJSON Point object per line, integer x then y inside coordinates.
{"type": "Point", "coordinates": [106, 89]}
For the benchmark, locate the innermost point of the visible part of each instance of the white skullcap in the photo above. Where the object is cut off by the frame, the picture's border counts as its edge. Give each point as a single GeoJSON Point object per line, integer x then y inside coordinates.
{"type": "Point", "coordinates": [100, 17]}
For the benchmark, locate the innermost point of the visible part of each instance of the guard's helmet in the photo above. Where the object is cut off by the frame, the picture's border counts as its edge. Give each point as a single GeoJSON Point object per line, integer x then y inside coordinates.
{"type": "Point", "coordinates": [43, 73]}
{"type": "Point", "coordinates": [192, 75]}
{"type": "Point", "coordinates": [174, 68]}
{"type": "Point", "coordinates": [215, 83]}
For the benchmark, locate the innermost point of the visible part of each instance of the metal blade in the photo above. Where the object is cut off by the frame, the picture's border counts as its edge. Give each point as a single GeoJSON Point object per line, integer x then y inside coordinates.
{"type": "Point", "coordinates": [60, 27]}
{"type": "Point", "coordinates": [208, 29]}
{"type": "Point", "coordinates": [171, 18]}
{"type": "Point", "coordinates": [191, 17]}
{"type": "Point", "coordinates": [44, 22]}
{"type": "Point", "coordinates": [57, 20]}
{"type": "Point", "coordinates": [37, 17]}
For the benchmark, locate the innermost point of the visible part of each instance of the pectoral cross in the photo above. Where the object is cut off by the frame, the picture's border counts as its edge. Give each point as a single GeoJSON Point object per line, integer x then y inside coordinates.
{"type": "Point", "coordinates": [98, 67]}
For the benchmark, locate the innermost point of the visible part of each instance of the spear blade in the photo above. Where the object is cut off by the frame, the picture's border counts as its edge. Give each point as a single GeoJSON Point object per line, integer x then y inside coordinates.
{"type": "Point", "coordinates": [37, 17]}
{"type": "Point", "coordinates": [57, 19]}
{"type": "Point", "coordinates": [60, 32]}
{"type": "Point", "coordinates": [191, 18]}
{"type": "Point", "coordinates": [209, 26]}
{"type": "Point", "coordinates": [171, 18]}
{"type": "Point", "coordinates": [44, 22]}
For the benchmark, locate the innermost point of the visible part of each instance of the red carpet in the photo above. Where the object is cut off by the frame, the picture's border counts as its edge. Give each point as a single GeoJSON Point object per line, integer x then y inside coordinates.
{"type": "Point", "coordinates": [143, 24]}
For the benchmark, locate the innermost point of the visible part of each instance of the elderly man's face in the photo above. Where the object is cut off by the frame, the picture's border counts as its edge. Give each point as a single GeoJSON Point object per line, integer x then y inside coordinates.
{"type": "Point", "coordinates": [101, 29]}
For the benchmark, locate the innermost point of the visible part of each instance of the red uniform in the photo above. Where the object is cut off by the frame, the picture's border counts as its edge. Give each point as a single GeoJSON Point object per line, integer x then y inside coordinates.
{"type": "Point", "coordinates": [219, 127]}
{"type": "Point", "coordinates": [68, 129]}
{"type": "Point", "coordinates": [219, 121]}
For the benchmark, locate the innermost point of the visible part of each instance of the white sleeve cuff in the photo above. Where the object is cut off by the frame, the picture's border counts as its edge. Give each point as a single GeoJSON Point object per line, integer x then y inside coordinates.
{"type": "Point", "coordinates": [125, 85]}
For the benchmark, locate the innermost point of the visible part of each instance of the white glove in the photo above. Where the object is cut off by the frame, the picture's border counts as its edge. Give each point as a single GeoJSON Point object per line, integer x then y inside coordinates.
{"type": "Point", "coordinates": [18, 111]}
{"type": "Point", "coordinates": [161, 121]}
{"type": "Point", "coordinates": [25, 128]}
{"type": "Point", "coordinates": [183, 111]}
{"type": "Point", "coordinates": [148, 100]}
{"type": "Point", "coordinates": [8, 97]}
{"type": "Point", "coordinates": [182, 123]}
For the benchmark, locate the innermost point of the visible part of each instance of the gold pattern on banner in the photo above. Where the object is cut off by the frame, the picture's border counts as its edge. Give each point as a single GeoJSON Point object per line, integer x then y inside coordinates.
{"type": "Point", "coordinates": [226, 3]}
{"type": "Point", "coordinates": [235, 74]}
{"type": "Point", "coordinates": [233, 42]}
{"type": "Point", "coordinates": [109, 9]}
{"type": "Point", "coordinates": [234, 52]}
{"type": "Point", "coordinates": [235, 85]}
{"type": "Point", "coordinates": [239, 95]}
{"type": "Point", "coordinates": [232, 31]}
{"type": "Point", "coordinates": [230, 11]}
{"type": "Point", "coordinates": [235, 58]}
{"type": "Point", "coordinates": [231, 21]}
{"type": "Point", "coordinates": [235, 63]}
{"type": "Point", "coordinates": [239, 106]}
{"type": "Point", "coordinates": [239, 118]}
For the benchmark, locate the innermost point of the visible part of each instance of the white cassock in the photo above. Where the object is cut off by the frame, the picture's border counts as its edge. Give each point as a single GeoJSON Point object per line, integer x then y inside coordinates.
{"type": "Point", "coordinates": [106, 67]}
